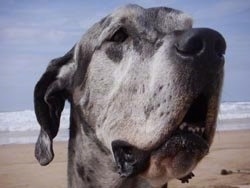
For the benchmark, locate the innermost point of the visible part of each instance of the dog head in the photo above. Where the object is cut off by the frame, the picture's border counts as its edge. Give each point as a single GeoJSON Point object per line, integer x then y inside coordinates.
{"type": "Point", "coordinates": [147, 83]}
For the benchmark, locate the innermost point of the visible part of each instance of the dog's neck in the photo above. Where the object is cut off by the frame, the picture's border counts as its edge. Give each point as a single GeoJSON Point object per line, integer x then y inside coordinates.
{"type": "Point", "coordinates": [91, 164]}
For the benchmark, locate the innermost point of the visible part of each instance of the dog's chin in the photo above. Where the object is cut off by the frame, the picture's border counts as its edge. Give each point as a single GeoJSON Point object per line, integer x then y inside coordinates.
{"type": "Point", "coordinates": [176, 158]}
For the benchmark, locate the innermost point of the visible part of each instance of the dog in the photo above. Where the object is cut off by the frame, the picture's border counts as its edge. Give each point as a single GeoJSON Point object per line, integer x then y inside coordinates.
{"type": "Point", "coordinates": [144, 89]}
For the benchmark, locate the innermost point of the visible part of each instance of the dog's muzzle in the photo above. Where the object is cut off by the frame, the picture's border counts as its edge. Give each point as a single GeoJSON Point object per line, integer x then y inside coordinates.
{"type": "Point", "coordinates": [189, 141]}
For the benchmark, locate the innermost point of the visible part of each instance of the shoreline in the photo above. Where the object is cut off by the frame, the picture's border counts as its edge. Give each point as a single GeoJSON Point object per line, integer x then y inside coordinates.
{"type": "Point", "coordinates": [30, 137]}
{"type": "Point", "coordinates": [230, 150]}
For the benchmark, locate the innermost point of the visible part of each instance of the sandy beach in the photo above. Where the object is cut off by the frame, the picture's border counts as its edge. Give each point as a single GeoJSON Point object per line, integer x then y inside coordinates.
{"type": "Point", "coordinates": [230, 151]}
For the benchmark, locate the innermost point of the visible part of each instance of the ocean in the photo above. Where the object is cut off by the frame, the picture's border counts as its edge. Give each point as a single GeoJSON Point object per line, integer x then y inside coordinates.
{"type": "Point", "coordinates": [21, 126]}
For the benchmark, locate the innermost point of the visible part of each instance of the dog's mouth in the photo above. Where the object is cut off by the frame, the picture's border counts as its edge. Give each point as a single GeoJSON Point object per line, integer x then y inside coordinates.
{"type": "Point", "coordinates": [189, 142]}
{"type": "Point", "coordinates": [192, 132]}
{"type": "Point", "coordinates": [179, 153]}
{"type": "Point", "coordinates": [190, 135]}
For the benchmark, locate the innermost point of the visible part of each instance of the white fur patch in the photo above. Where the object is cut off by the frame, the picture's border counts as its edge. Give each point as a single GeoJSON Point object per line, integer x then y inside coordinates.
{"type": "Point", "coordinates": [186, 20]}
{"type": "Point", "coordinates": [43, 151]}
{"type": "Point", "coordinates": [67, 70]}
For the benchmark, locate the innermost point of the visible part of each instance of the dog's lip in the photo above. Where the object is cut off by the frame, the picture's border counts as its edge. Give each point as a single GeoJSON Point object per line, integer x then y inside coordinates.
{"type": "Point", "coordinates": [191, 137]}
{"type": "Point", "coordinates": [191, 133]}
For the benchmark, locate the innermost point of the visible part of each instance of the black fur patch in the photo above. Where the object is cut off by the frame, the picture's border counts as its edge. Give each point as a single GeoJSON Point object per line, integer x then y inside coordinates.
{"type": "Point", "coordinates": [158, 45]}
{"type": "Point", "coordinates": [84, 58]}
{"type": "Point", "coordinates": [81, 171]}
{"type": "Point", "coordinates": [137, 45]}
{"type": "Point", "coordinates": [115, 52]}
{"type": "Point", "coordinates": [105, 22]}
{"type": "Point", "coordinates": [129, 159]}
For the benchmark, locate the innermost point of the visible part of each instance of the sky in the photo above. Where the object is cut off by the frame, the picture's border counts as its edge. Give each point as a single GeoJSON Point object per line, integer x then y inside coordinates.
{"type": "Point", "coordinates": [34, 32]}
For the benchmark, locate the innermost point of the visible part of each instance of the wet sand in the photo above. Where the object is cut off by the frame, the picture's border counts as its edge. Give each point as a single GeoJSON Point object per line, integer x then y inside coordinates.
{"type": "Point", "coordinates": [230, 151]}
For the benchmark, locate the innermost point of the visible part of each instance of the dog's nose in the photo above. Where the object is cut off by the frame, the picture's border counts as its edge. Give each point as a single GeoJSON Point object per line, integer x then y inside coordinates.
{"type": "Point", "coordinates": [202, 44]}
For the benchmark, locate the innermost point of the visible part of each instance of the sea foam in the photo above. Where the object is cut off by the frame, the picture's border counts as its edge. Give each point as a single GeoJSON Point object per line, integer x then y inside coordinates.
{"type": "Point", "coordinates": [22, 126]}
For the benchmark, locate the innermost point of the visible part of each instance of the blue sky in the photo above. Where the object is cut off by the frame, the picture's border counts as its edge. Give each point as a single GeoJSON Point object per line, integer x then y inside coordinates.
{"type": "Point", "coordinates": [34, 32]}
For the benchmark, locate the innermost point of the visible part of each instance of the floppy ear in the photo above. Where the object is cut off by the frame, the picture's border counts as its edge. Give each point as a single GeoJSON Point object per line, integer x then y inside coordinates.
{"type": "Point", "coordinates": [50, 94]}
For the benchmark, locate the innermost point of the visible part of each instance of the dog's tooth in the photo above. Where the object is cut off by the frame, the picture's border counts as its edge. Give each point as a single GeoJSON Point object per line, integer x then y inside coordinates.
{"type": "Point", "coordinates": [198, 129]}
{"type": "Point", "coordinates": [202, 130]}
{"type": "Point", "coordinates": [182, 126]}
{"type": "Point", "coordinates": [190, 129]}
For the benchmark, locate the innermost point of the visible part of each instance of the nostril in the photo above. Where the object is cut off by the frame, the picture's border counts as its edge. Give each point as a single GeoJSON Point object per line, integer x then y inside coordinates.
{"type": "Point", "coordinates": [196, 45]}
{"type": "Point", "coordinates": [191, 46]}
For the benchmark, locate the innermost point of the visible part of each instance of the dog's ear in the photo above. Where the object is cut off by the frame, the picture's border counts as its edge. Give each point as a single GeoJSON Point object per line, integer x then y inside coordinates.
{"type": "Point", "coordinates": [50, 94]}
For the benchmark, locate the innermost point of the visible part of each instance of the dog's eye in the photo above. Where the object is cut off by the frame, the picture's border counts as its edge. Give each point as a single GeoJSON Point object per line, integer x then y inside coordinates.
{"type": "Point", "coordinates": [119, 36]}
